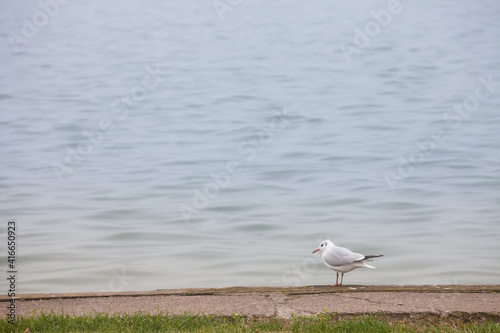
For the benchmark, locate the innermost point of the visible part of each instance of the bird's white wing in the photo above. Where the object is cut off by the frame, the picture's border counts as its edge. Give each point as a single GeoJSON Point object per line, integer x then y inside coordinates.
{"type": "Point", "coordinates": [340, 256]}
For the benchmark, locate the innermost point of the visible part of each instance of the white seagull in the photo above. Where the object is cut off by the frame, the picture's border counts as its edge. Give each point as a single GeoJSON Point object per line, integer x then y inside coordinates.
{"type": "Point", "coordinates": [341, 259]}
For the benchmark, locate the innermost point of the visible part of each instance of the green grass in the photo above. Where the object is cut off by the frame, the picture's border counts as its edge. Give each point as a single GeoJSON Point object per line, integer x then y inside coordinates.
{"type": "Point", "coordinates": [325, 322]}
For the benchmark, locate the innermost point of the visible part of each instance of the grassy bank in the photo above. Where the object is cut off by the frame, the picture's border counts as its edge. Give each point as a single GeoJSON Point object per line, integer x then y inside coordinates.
{"type": "Point", "coordinates": [325, 322]}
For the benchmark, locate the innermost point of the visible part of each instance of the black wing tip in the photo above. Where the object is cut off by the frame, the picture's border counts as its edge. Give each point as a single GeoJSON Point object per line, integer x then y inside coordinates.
{"type": "Point", "coordinates": [369, 257]}
{"type": "Point", "coordinates": [374, 256]}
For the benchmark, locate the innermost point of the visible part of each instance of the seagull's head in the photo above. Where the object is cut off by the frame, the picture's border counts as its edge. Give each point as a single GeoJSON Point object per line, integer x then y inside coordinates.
{"type": "Point", "coordinates": [322, 247]}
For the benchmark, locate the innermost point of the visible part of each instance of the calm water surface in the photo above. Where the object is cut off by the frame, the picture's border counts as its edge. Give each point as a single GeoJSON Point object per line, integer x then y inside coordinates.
{"type": "Point", "coordinates": [152, 145]}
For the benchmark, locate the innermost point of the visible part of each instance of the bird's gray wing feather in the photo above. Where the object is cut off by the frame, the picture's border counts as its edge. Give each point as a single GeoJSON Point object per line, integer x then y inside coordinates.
{"type": "Point", "coordinates": [340, 256]}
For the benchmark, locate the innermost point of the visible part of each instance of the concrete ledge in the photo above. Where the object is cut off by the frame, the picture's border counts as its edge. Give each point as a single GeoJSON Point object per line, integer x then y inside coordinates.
{"type": "Point", "coordinates": [304, 290]}
{"type": "Point", "coordinates": [430, 303]}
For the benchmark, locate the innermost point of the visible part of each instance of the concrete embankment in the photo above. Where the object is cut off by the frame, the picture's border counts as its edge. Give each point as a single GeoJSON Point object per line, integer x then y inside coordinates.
{"type": "Point", "coordinates": [460, 303]}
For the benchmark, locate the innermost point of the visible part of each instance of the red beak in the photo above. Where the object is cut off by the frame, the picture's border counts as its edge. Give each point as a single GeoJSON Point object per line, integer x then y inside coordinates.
{"type": "Point", "coordinates": [315, 250]}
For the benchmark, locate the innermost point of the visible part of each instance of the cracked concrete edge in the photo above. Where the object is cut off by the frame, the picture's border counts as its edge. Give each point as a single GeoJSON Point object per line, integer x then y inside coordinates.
{"type": "Point", "coordinates": [281, 307]}
{"type": "Point", "coordinates": [289, 291]}
{"type": "Point", "coordinates": [431, 317]}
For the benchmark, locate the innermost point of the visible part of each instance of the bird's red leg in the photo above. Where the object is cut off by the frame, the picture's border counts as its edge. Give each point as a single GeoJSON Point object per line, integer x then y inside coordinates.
{"type": "Point", "coordinates": [342, 279]}
{"type": "Point", "coordinates": [336, 282]}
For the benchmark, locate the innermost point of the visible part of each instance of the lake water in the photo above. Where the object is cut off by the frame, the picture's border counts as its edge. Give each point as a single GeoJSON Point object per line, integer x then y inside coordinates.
{"type": "Point", "coordinates": [150, 145]}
